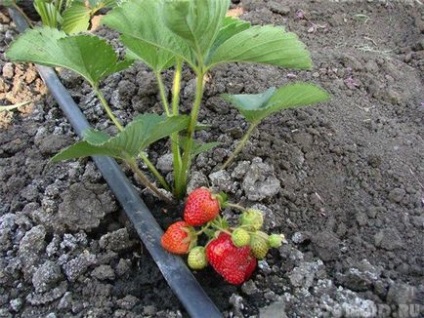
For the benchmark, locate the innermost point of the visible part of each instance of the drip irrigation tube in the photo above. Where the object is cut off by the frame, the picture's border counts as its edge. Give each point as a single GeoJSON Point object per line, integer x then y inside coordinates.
{"type": "Point", "coordinates": [178, 276]}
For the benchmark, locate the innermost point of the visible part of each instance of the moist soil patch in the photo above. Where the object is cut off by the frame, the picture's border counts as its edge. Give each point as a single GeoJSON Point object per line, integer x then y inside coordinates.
{"type": "Point", "coordinates": [343, 180]}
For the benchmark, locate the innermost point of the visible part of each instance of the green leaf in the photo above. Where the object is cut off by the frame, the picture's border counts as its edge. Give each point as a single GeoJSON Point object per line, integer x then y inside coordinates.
{"type": "Point", "coordinates": [154, 57]}
{"type": "Point", "coordinates": [255, 107]}
{"type": "Point", "coordinates": [197, 146]}
{"type": "Point", "coordinates": [111, 3]}
{"type": "Point", "coordinates": [263, 44]}
{"type": "Point", "coordinates": [84, 149]}
{"type": "Point", "coordinates": [198, 22]}
{"type": "Point", "coordinates": [87, 55]}
{"type": "Point", "coordinates": [250, 104]}
{"type": "Point", "coordinates": [49, 14]}
{"type": "Point", "coordinates": [76, 18]}
{"type": "Point", "coordinates": [148, 128]}
{"type": "Point", "coordinates": [143, 20]}
{"type": "Point", "coordinates": [95, 137]}
{"type": "Point", "coordinates": [103, 3]}
{"type": "Point", "coordinates": [231, 26]}
{"type": "Point", "coordinates": [202, 126]}
{"type": "Point", "coordinates": [136, 136]}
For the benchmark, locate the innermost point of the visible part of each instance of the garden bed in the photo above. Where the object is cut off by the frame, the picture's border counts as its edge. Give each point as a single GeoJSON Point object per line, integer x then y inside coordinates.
{"type": "Point", "coordinates": [343, 180]}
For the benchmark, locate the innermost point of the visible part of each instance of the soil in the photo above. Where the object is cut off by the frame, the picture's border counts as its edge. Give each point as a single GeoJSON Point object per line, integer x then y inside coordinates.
{"type": "Point", "coordinates": [343, 180]}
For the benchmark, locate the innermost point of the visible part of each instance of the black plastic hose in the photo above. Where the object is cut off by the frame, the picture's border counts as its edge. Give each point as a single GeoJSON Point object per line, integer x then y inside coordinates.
{"type": "Point", "coordinates": [179, 277]}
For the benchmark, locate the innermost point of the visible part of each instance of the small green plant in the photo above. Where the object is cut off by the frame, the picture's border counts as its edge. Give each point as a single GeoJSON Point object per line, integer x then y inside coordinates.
{"type": "Point", "coordinates": [166, 34]}
{"type": "Point", "coordinates": [76, 14]}
{"type": "Point", "coordinates": [50, 12]}
{"type": "Point", "coordinates": [71, 16]}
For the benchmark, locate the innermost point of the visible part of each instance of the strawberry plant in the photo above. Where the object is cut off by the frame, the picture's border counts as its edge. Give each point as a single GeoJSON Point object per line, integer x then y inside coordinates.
{"type": "Point", "coordinates": [166, 34]}
{"type": "Point", "coordinates": [71, 16]}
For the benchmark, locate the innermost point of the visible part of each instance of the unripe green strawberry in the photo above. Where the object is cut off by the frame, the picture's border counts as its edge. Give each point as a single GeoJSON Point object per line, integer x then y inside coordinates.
{"type": "Point", "coordinates": [240, 237]}
{"type": "Point", "coordinates": [275, 240]}
{"type": "Point", "coordinates": [259, 244]}
{"type": "Point", "coordinates": [197, 258]}
{"type": "Point", "coordinates": [252, 219]}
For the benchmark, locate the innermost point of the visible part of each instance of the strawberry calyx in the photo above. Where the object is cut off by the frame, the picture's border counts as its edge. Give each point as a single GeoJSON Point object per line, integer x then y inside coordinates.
{"type": "Point", "coordinates": [191, 238]}
{"type": "Point", "coordinates": [276, 240]}
{"type": "Point", "coordinates": [220, 223]}
{"type": "Point", "coordinates": [252, 219]}
{"type": "Point", "coordinates": [222, 199]}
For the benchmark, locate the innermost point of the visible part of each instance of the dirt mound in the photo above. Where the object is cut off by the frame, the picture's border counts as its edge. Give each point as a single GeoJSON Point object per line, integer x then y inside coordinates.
{"type": "Point", "coordinates": [343, 180]}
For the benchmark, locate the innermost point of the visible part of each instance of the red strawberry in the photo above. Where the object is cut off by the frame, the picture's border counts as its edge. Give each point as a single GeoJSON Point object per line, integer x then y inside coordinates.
{"type": "Point", "coordinates": [201, 207]}
{"type": "Point", "coordinates": [235, 264]}
{"type": "Point", "coordinates": [179, 238]}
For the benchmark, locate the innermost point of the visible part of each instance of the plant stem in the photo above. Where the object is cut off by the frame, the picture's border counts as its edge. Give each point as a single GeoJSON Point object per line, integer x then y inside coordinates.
{"type": "Point", "coordinates": [176, 87]}
{"type": "Point", "coordinates": [235, 206]}
{"type": "Point", "coordinates": [180, 184]}
{"type": "Point", "coordinates": [175, 148]}
{"type": "Point", "coordinates": [146, 160]}
{"type": "Point", "coordinates": [107, 108]}
{"type": "Point", "coordinates": [217, 226]}
{"type": "Point", "coordinates": [163, 94]}
{"type": "Point", "coordinates": [240, 145]}
{"type": "Point", "coordinates": [204, 228]}
{"type": "Point", "coordinates": [155, 172]}
{"type": "Point", "coordinates": [144, 180]}
{"type": "Point", "coordinates": [59, 6]}
{"type": "Point", "coordinates": [223, 230]}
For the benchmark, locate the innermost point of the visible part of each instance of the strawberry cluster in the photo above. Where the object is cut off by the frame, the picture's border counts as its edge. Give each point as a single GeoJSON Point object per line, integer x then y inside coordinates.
{"type": "Point", "coordinates": [232, 251]}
